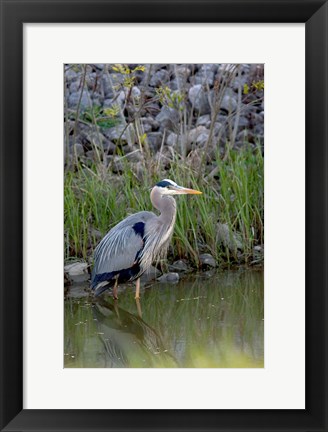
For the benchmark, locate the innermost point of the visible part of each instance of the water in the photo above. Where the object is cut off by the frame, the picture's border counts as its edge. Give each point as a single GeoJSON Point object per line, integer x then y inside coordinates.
{"type": "Point", "coordinates": [205, 320]}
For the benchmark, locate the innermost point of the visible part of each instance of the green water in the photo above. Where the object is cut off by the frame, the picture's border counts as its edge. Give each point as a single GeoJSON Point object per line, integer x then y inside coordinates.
{"type": "Point", "coordinates": [205, 320]}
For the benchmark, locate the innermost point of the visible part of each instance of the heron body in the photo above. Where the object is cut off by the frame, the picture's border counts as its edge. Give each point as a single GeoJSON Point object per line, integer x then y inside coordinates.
{"type": "Point", "coordinates": [131, 246]}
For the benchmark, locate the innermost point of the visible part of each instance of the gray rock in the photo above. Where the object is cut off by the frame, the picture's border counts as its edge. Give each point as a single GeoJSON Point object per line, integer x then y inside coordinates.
{"type": "Point", "coordinates": [96, 139]}
{"type": "Point", "coordinates": [209, 67]}
{"type": "Point", "coordinates": [78, 149]}
{"type": "Point", "coordinates": [198, 97]}
{"type": "Point", "coordinates": [154, 140]}
{"type": "Point", "coordinates": [76, 268]}
{"type": "Point", "coordinates": [179, 83]}
{"type": "Point", "coordinates": [203, 77]}
{"type": "Point", "coordinates": [258, 253]}
{"type": "Point", "coordinates": [159, 78]}
{"type": "Point", "coordinates": [202, 138]}
{"type": "Point", "coordinates": [228, 238]}
{"type": "Point", "coordinates": [172, 139]}
{"type": "Point", "coordinates": [74, 98]}
{"type": "Point", "coordinates": [134, 156]}
{"type": "Point", "coordinates": [90, 155]}
{"type": "Point", "coordinates": [77, 272]}
{"type": "Point", "coordinates": [109, 146]}
{"type": "Point", "coordinates": [182, 71]}
{"type": "Point", "coordinates": [114, 133]}
{"type": "Point", "coordinates": [151, 122]}
{"type": "Point", "coordinates": [203, 120]}
{"type": "Point", "coordinates": [243, 122]}
{"type": "Point", "coordinates": [169, 278]}
{"type": "Point", "coordinates": [195, 133]}
{"type": "Point", "coordinates": [151, 274]}
{"type": "Point", "coordinates": [135, 92]}
{"type": "Point", "coordinates": [179, 266]}
{"type": "Point", "coordinates": [217, 128]}
{"type": "Point", "coordinates": [107, 87]}
{"type": "Point", "coordinates": [168, 118]}
{"type": "Point", "coordinates": [207, 260]}
{"type": "Point", "coordinates": [229, 103]}
{"type": "Point", "coordinates": [71, 75]}
{"type": "Point", "coordinates": [239, 81]}
{"type": "Point", "coordinates": [74, 87]}
{"type": "Point", "coordinates": [146, 127]}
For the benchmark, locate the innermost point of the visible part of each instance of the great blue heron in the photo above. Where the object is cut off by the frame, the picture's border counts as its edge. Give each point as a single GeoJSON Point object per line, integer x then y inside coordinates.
{"type": "Point", "coordinates": [129, 248]}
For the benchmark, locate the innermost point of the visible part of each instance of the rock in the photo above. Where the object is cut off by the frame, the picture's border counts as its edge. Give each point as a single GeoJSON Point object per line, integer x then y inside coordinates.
{"type": "Point", "coordinates": [202, 138]}
{"type": "Point", "coordinates": [195, 133]}
{"type": "Point", "coordinates": [179, 266]}
{"type": "Point", "coordinates": [217, 128]}
{"type": "Point", "coordinates": [169, 278]}
{"type": "Point", "coordinates": [76, 268]}
{"type": "Point", "coordinates": [229, 103]}
{"type": "Point", "coordinates": [207, 260]}
{"type": "Point", "coordinates": [114, 134]}
{"type": "Point", "coordinates": [258, 254]}
{"type": "Point", "coordinates": [172, 139]}
{"type": "Point", "coordinates": [159, 78]}
{"type": "Point", "coordinates": [203, 77]}
{"type": "Point", "coordinates": [146, 127]}
{"type": "Point", "coordinates": [90, 155]}
{"type": "Point", "coordinates": [74, 98]}
{"type": "Point", "coordinates": [168, 118]}
{"type": "Point", "coordinates": [239, 81]}
{"type": "Point", "coordinates": [151, 122]}
{"type": "Point", "coordinates": [243, 122]}
{"type": "Point", "coordinates": [136, 92]}
{"type": "Point", "coordinates": [203, 120]}
{"type": "Point", "coordinates": [109, 146]}
{"type": "Point", "coordinates": [228, 238]}
{"type": "Point", "coordinates": [107, 86]}
{"type": "Point", "coordinates": [154, 140]}
{"type": "Point", "coordinates": [96, 139]}
{"type": "Point", "coordinates": [151, 274]}
{"type": "Point", "coordinates": [182, 71]}
{"type": "Point", "coordinates": [209, 67]}
{"type": "Point", "coordinates": [134, 156]}
{"type": "Point", "coordinates": [74, 87]}
{"type": "Point", "coordinates": [179, 84]}
{"type": "Point", "coordinates": [77, 272]}
{"type": "Point", "coordinates": [198, 97]}
{"type": "Point", "coordinates": [71, 75]}
{"type": "Point", "coordinates": [78, 149]}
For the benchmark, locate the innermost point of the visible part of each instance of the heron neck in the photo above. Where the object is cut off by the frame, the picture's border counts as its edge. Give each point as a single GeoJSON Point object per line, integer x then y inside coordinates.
{"type": "Point", "coordinates": [165, 204]}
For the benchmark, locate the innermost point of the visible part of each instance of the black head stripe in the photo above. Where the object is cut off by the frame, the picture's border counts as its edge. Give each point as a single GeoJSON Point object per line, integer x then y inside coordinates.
{"type": "Point", "coordinates": [164, 183]}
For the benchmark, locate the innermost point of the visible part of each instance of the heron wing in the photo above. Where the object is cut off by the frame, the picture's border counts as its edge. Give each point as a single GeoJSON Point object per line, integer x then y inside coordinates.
{"type": "Point", "coordinates": [122, 245]}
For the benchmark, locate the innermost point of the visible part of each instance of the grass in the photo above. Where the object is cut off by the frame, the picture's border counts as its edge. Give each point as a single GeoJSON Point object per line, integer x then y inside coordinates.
{"type": "Point", "coordinates": [96, 200]}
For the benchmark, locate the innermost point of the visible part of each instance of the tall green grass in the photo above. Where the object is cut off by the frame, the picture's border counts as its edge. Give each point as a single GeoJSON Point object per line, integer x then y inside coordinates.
{"type": "Point", "coordinates": [96, 200]}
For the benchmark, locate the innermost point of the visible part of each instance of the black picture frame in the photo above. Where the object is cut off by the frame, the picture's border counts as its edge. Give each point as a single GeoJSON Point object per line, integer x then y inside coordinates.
{"type": "Point", "coordinates": [314, 13]}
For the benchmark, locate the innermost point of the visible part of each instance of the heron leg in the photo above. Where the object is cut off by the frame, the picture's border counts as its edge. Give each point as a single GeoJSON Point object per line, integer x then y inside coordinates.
{"type": "Point", "coordinates": [139, 307]}
{"type": "Point", "coordinates": [137, 296]}
{"type": "Point", "coordinates": [115, 289]}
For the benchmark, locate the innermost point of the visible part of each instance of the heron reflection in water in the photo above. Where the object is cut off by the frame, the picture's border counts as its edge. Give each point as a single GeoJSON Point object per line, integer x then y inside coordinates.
{"type": "Point", "coordinates": [128, 340]}
{"type": "Point", "coordinates": [129, 248]}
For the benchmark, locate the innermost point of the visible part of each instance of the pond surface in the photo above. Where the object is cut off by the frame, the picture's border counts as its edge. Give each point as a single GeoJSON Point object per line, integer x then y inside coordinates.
{"type": "Point", "coordinates": [205, 320]}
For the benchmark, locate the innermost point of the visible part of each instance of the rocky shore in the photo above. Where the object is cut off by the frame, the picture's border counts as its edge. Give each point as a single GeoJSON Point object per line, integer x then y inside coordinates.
{"type": "Point", "coordinates": [161, 109]}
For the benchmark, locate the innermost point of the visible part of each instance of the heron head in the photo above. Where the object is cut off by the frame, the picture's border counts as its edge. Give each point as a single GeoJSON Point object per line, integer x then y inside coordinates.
{"type": "Point", "coordinates": [169, 187]}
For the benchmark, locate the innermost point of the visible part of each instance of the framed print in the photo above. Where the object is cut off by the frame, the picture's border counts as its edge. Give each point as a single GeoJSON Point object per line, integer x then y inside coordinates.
{"type": "Point", "coordinates": [278, 380]}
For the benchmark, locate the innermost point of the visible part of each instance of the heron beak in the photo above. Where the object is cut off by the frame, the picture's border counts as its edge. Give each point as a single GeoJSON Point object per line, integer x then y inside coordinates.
{"type": "Point", "coordinates": [189, 191]}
